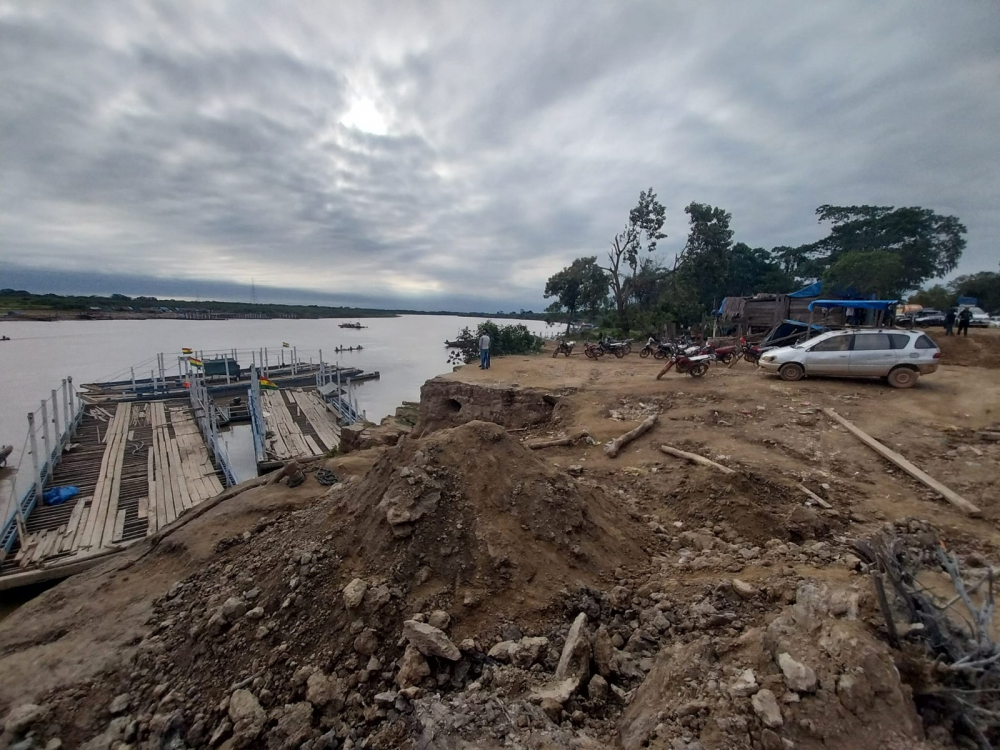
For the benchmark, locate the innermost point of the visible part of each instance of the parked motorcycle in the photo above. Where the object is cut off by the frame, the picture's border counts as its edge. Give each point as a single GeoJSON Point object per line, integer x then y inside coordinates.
{"type": "Point", "coordinates": [564, 347]}
{"type": "Point", "coordinates": [694, 365]}
{"type": "Point", "coordinates": [651, 346]}
{"type": "Point", "coordinates": [594, 351]}
{"type": "Point", "coordinates": [749, 352]}
{"type": "Point", "coordinates": [724, 354]}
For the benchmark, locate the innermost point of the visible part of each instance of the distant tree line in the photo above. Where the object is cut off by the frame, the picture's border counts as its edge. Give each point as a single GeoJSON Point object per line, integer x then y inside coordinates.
{"type": "Point", "coordinates": [878, 251]}
{"type": "Point", "coordinates": [20, 299]}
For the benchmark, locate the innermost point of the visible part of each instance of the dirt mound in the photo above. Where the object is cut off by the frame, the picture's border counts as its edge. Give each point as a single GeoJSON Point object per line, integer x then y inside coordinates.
{"type": "Point", "coordinates": [468, 513]}
{"type": "Point", "coordinates": [981, 348]}
{"type": "Point", "coordinates": [447, 403]}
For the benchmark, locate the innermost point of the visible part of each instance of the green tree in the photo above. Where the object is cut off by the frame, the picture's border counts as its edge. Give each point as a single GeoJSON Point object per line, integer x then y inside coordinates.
{"type": "Point", "coordinates": [984, 286]}
{"type": "Point", "coordinates": [753, 270]}
{"type": "Point", "coordinates": [582, 285]}
{"type": "Point", "coordinates": [877, 272]}
{"type": "Point", "coordinates": [937, 297]}
{"type": "Point", "coordinates": [928, 245]}
{"type": "Point", "coordinates": [639, 236]}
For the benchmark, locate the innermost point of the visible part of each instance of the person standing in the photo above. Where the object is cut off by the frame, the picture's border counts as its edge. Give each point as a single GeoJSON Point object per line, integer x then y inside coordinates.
{"type": "Point", "coordinates": [484, 352]}
{"type": "Point", "coordinates": [949, 322]}
{"type": "Point", "coordinates": [964, 318]}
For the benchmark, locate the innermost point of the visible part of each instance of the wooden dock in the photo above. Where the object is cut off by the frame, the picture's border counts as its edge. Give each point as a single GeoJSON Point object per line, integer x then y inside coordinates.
{"type": "Point", "coordinates": [298, 423]}
{"type": "Point", "coordinates": [137, 466]}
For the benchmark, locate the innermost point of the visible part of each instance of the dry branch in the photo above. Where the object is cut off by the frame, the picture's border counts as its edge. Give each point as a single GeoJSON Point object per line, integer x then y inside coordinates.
{"type": "Point", "coordinates": [570, 439]}
{"type": "Point", "coordinates": [613, 448]}
{"type": "Point", "coordinates": [696, 459]}
{"type": "Point", "coordinates": [952, 497]}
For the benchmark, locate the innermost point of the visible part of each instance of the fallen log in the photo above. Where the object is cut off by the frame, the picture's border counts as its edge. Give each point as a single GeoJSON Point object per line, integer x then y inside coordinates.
{"type": "Point", "coordinates": [890, 455]}
{"type": "Point", "coordinates": [814, 497]}
{"type": "Point", "coordinates": [570, 439]}
{"type": "Point", "coordinates": [613, 448]}
{"type": "Point", "coordinates": [696, 459]}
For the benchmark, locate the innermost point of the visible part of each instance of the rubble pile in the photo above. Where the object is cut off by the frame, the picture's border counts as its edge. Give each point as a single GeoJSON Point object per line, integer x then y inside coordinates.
{"type": "Point", "coordinates": [466, 593]}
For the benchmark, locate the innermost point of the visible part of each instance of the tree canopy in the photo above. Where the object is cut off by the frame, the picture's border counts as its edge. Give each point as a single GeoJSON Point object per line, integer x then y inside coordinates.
{"type": "Point", "coordinates": [582, 285]}
{"type": "Point", "coordinates": [927, 244]}
{"type": "Point", "coordinates": [875, 272]}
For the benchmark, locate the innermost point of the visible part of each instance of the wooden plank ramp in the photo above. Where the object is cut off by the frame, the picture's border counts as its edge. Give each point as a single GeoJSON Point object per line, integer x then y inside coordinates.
{"type": "Point", "coordinates": [323, 421]}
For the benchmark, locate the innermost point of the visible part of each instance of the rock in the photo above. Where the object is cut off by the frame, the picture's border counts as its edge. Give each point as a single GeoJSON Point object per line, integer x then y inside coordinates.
{"type": "Point", "coordinates": [244, 708]}
{"type": "Point", "coordinates": [387, 698]}
{"type": "Point", "coordinates": [745, 685]}
{"type": "Point", "coordinates": [798, 676]}
{"type": "Point", "coordinates": [597, 689]}
{"type": "Point", "coordinates": [233, 609]}
{"type": "Point", "coordinates": [557, 690]}
{"type": "Point", "coordinates": [377, 597]}
{"type": "Point", "coordinates": [413, 668]}
{"type": "Point", "coordinates": [294, 725]}
{"type": "Point", "coordinates": [603, 650]}
{"type": "Point", "coordinates": [325, 690]}
{"type": "Point", "coordinates": [439, 619]}
{"type": "Point", "coordinates": [367, 642]}
{"type": "Point", "coordinates": [120, 704]}
{"type": "Point", "coordinates": [354, 593]}
{"type": "Point", "coordinates": [855, 692]}
{"type": "Point", "coordinates": [552, 708]}
{"type": "Point", "coordinates": [743, 589]}
{"type": "Point", "coordinates": [430, 641]}
{"type": "Point", "coordinates": [22, 717]}
{"type": "Point", "coordinates": [223, 730]}
{"type": "Point", "coordinates": [527, 651]}
{"type": "Point", "coordinates": [766, 707]}
{"type": "Point", "coordinates": [54, 744]}
{"type": "Point", "coordinates": [511, 632]}
{"type": "Point", "coordinates": [257, 613]}
{"type": "Point", "coordinates": [575, 659]}
{"type": "Point", "coordinates": [501, 651]}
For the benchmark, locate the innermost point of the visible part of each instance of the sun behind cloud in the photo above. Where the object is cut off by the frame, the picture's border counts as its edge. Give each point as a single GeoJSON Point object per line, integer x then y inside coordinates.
{"type": "Point", "coordinates": [363, 115]}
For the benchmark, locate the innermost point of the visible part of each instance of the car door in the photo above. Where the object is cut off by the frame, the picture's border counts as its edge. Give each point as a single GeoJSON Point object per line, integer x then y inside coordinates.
{"type": "Point", "coordinates": [830, 356]}
{"type": "Point", "coordinates": [872, 355]}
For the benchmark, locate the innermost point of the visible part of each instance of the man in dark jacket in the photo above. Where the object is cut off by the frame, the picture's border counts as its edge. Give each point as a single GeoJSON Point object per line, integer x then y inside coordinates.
{"type": "Point", "coordinates": [964, 318]}
{"type": "Point", "coordinates": [949, 322]}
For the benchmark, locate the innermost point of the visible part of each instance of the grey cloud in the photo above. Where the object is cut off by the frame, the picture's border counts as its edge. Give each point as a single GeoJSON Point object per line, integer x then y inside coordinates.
{"type": "Point", "coordinates": [175, 140]}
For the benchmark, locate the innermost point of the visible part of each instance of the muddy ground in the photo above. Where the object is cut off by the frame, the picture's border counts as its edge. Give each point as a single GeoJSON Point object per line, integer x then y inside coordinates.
{"type": "Point", "coordinates": [461, 590]}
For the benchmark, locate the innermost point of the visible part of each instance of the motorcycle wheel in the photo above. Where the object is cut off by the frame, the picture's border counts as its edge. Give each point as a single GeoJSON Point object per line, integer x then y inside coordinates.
{"type": "Point", "coordinates": [628, 348]}
{"type": "Point", "coordinates": [590, 353]}
{"type": "Point", "coordinates": [646, 351]}
{"type": "Point", "coordinates": [726, 359]}
{"type": "Point", "coordinates": [619, 352]}
{"type": "Point", "coordinates": [736, 358]}
{"type": "Point", "coordinates": [698, 370]}
{"type": "Point", "coordinates": [555, 353]}
{"type": "Point", "coordinates": [659, 354]}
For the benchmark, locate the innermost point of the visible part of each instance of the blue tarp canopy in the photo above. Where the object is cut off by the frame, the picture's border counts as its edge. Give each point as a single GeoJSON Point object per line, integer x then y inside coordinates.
{"type": "Point", "coordinates": [857, 304]}
{"type": "Point", "coordinates": [812, 290]}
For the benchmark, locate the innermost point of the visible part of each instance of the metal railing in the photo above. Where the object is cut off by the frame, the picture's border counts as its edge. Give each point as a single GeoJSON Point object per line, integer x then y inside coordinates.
{"type": "Point", "coordinates": [58, 419]}
{"type": "Point", "coordinates": [204, 414]}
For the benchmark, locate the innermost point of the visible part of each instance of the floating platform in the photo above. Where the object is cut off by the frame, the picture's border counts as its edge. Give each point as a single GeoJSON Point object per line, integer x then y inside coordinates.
{"type": "Point", "coordinates": [137, 468]}
{"type": "Point", "coordinates": [298, 425]}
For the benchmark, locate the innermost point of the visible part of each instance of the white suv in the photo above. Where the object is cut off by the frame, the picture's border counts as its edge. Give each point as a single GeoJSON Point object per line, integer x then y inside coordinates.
{"type": "Point", "coordinates": [900, 356]}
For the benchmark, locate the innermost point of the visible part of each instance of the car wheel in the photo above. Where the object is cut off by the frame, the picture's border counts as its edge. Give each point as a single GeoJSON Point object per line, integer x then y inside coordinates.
{"type": "Point", "coordinates": [903, 377]}
{"type": "Point", "coordinates": [792, 371]}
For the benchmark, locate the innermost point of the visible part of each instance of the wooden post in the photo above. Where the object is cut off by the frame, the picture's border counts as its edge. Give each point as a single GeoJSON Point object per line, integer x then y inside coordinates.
{"type": "Point", "coordinates": [58, 431]}
{"type": "Point", "coordinates": [160, 361]}
{"type": "Point", "coordinates": [34, 458]}
{"type": "Point", "coordinates": [46, 440]}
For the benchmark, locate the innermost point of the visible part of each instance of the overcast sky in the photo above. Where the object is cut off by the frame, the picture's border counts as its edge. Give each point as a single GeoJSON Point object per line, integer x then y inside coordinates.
{"type": "Point", "coordinates": [447, 154]}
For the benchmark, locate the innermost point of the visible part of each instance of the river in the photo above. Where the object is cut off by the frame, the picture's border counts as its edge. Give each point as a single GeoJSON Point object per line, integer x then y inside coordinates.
{"type": "Point", "coordinates": [406, 350]}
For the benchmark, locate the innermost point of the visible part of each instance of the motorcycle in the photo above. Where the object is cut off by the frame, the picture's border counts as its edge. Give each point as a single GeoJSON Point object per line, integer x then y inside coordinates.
{"type": "Point", "coordinates": [594, 351]}
{"type": "Point", "coordinates": [749, 352]}
{"type": "Point", "coordinates": [651, 346]}
{"type": "Point", "coordinates": [564, 347]}
{"type": "Point", "coordinates": [725, 354]}
{"type": "Point", "coordinates": [694, 365]}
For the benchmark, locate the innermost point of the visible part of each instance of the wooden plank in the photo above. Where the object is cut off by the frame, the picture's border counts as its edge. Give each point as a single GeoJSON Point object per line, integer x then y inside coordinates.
{"type": "Point", "coordinates": [106, 492]}
{"type": "Point", "coordinates": [84, 515]}
{"type": "Point", "coordinates": [143, 507]}
{"type": "Point", "coordinates": [110, 511]}
{"type": "Point", "coordinates": [119, 526]}
{"type": "Point", "coordinates": [83, 540]}
{"type": "Point", "coordinates": [890, 455]}
{"type": "Point", "coordinates": [71, 527]}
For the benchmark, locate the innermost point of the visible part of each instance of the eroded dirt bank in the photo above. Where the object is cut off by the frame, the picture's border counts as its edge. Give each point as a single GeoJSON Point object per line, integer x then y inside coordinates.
{"type": "Point", "coordinates": [458, 589]}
